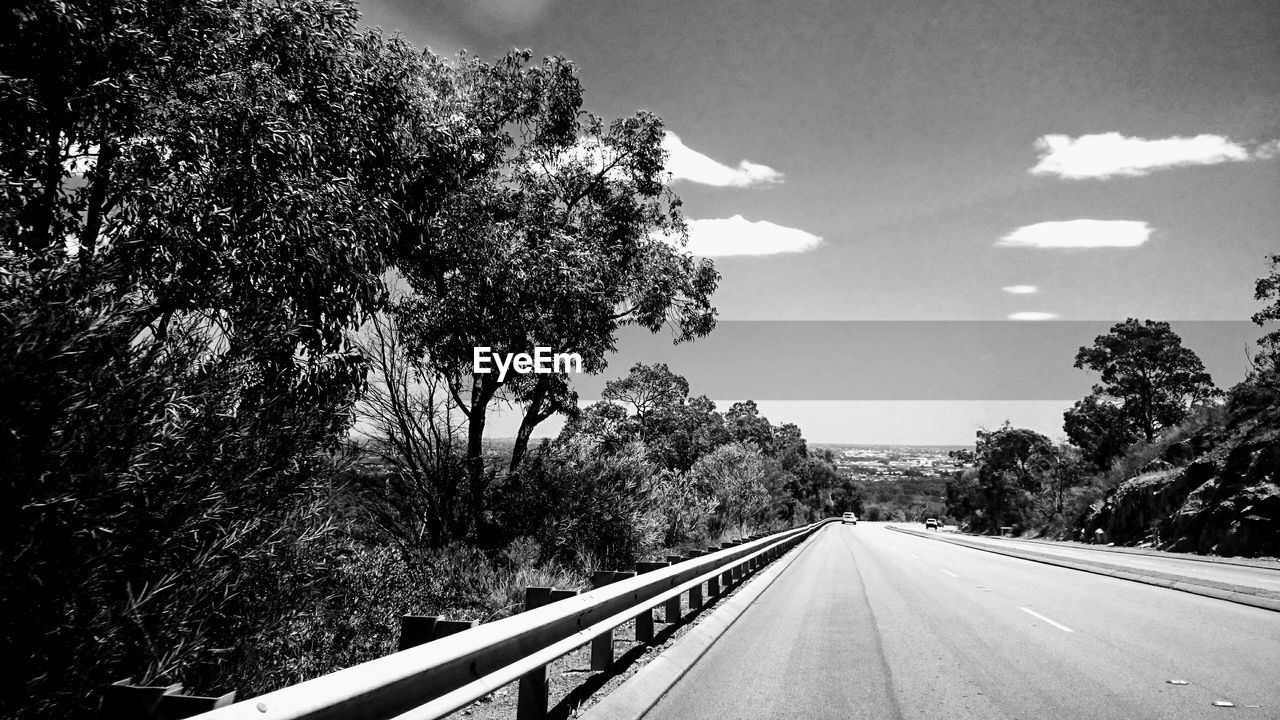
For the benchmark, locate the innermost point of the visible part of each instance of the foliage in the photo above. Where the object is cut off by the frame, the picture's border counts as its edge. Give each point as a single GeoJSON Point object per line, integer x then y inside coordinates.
{"type": "Point", "coordinates": [1097, 425]}
{"type": "Point", "coordinates": [199, 200]}
{"type": "Point", "coordinates": [735, 474]}
{"type": "Point", "coordinates": [648, 390]}
{"type": "Point", "coordinates": [413, 488]}
{"type": "Point", "coordinates": [685, 501]}
{"type": "Point", "coordinates": [1268, 289]}
{"type": "Point", "coordinates": [582, 505]}
{"type": "Point", "coordinates": [148, 490]}
{"type": "Point", "coordinates": [1020, 479]}
{"type": "Point", "coordinates": [565, 241]}
{"type": "Point", "coordinates": [1266, 365]}
{"type": "Point", "coordinates": [906, 500]}
{"type": "Point", "coordinates": [650, 406]}
{"type": "Point", "coordinates": [1145, 371]}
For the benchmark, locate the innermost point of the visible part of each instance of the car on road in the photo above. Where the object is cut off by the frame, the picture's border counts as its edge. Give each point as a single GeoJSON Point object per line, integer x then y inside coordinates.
{"type": "Point", "coordinates": [849, 518]}
{"type": "Point", "coordinates": [931, 523]}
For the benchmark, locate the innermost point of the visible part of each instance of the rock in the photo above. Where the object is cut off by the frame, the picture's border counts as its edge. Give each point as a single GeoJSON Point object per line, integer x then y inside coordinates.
{"type": "Point", "coordinates": [1225, 501]}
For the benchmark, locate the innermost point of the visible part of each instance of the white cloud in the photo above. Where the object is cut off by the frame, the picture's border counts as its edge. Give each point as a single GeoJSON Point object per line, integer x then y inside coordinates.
{"type": "Point", "coordinates": [685, 163]}
{"type": "Point", "coordinates": [1033, 316]}
{"type": "Point", "coordinates": [718, 237]}
{"type": "Point", "coordinates": [1267, 150]}
{"type": "Point", "coordinates": [1020, 289]}
{"type": "Point", "coordinates": [1111, 154]}
{"type": "Point", "coordinates": [1082, 233]}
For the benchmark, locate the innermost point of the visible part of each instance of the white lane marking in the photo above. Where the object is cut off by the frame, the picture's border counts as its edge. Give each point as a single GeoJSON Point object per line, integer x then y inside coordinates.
{"type": "Point", "coordinates": [1058, 625]}
{"type": "Point", "coordinates": [914, 555]}
{"type": "Point", "coordinates": [950, 573]}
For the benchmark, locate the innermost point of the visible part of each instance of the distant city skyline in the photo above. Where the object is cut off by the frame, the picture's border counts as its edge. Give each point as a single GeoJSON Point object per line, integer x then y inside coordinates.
{"type": "Point", "coordinates": [1014, 160]}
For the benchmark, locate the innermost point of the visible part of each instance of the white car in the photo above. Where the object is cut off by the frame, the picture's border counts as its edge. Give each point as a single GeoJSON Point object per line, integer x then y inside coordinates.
{"type": "Point", "coordinates": [849, 518]}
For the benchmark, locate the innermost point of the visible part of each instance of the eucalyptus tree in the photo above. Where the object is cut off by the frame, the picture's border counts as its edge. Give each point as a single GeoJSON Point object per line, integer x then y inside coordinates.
{"type": "Point", "coordinates": [574, 235]}
{"type": "Point", "coordinates": [648, 390]}
{"type": "Point", "coordinates": [1268, 289]}
{"type": "Point", "coordinates": [1148, 373]}
{"type": "Point", "coordinates": [199, 198]}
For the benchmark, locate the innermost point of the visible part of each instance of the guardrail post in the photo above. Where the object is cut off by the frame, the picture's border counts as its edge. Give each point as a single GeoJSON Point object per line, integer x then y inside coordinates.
{"type": "Point", "coordinates": [177, 707]}
{"type": "Point", "coordinates": [695, 592]}
{"type": "Point", "coordinates": [602, 644]}
{"type": "Point", "coordinates": [531, 703]}
{"type": "Point", "coordinates": [416, 630]}
{"type": "Point", "coordinates": [125, 701]}
{"type": "Point", "coordinates": [558, 595]}
{"type": "Point", "coordinates": [671, 611]}
{"type": "Point", "coordinates": [644, 621]}
{"type": "Point", "coordinates": [450, 627]}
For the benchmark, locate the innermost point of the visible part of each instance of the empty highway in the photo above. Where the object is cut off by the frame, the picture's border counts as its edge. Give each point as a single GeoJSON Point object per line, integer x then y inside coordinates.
{"type": "Point", "coordinates": [869, 623]}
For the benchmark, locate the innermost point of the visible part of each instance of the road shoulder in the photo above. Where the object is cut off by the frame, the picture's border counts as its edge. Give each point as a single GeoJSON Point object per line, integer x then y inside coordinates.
{"type": "Point", "coordinates": [1244, 595]}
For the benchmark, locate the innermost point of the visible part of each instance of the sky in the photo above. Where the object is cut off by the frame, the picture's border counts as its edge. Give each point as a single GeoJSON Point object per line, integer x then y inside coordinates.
{"type": "Point", "coordinates": [1013, 161]}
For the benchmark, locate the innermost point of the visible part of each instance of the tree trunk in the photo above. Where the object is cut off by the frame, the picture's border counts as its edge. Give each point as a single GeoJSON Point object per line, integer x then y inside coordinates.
{"type": "Point", "coordinates": [483, 388]}
{"type": "Point", "coordinates": [541, 407]}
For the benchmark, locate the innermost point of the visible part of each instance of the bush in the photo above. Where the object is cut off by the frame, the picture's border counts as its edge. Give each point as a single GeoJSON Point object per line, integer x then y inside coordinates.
{"type": "Point", "coordinates": [582, 505]}
{"type": "Point", "coordinates": [151, 483]}
{"type": "Point", "coordinates": [1138, 456]}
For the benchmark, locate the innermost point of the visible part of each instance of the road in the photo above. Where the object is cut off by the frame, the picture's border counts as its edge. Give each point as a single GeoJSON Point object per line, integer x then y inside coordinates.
{"type": "Point", "coordinates": [869, 623]}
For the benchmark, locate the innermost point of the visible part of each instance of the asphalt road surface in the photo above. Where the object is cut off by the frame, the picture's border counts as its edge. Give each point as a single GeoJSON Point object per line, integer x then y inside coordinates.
{"type": "Point", "coordinates": [869, 623]}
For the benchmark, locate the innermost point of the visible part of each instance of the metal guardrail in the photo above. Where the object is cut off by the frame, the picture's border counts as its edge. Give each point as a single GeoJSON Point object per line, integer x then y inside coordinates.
{"type": "Point", "coordinates": [434, 679]}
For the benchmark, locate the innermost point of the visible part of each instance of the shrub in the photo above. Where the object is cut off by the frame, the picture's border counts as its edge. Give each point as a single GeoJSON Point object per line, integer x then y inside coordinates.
{"type": "Point", "coordinates": [583, 505]}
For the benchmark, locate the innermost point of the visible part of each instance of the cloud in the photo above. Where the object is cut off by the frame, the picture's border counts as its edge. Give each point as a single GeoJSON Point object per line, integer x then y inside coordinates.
{"type": "Point", "coordinates": [1033, 316]}
{"type": "Point", "coordinates": [1020, 289]}
{"type": "Point", "coordinates": [719, 237]}
{"type": "Point", "coordinates": [1082, 233]}
{"type": "Point", "coordinates": [1267, 150]}
{"type": "Point", "coordinates": [685, 163]}
{"type": "Point", "coordinates": [1113, 155]}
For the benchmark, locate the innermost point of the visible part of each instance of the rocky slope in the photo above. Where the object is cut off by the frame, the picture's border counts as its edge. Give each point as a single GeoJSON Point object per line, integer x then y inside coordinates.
{"type": "Point", "coordinates": [1216, 492]}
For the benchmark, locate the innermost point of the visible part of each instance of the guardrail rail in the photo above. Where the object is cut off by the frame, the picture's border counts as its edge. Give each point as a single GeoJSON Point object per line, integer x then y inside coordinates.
{"type": "Point", "coordinates": [438, 677]}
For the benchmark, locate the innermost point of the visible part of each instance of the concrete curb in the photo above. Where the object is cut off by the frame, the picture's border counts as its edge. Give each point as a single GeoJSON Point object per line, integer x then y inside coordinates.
{"type": "Point", "coordinates": [1240, 598]}
{"type": "Point", "coordinates": [642, 691]}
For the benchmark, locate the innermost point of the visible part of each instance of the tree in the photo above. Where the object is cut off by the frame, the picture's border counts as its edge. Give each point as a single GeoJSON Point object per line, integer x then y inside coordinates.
{"type": "Point", "coordinates": [606, 423]}
{"type": "Point", "coordinates": [1099, 427]}
{"type": "Point", "coordinates": [1268, 289]}
{"type": "Point", "coordinates": [1148, 372]}
{"type": "Point", "coordinates": [648, 390]}
{"type": "Point", "coordinates": [747, 425]}
{"type": "Point", "coordinates": [1011, 467]}
{"type": "Point", "coordinates": [736, 473]}
{"type": "Point", "coordinates": [685, 500]}
{"type": "Point", "coordinates": [409, 425]}
{"type": "Point", "coordinates": [560, 245]}
{"type": "Point", "coordinates": [199, 201]}
{"type": "Point", "coordinates": [686, 433]}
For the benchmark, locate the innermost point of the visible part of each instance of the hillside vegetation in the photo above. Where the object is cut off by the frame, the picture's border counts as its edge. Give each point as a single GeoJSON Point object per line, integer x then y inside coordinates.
{"type": "Point", "coordinates": [1159, 456]}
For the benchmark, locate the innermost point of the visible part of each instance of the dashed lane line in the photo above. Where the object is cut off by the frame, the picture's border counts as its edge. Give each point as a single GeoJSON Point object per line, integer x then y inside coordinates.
{"type": "Point", "coordinates": [1058, 625]}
